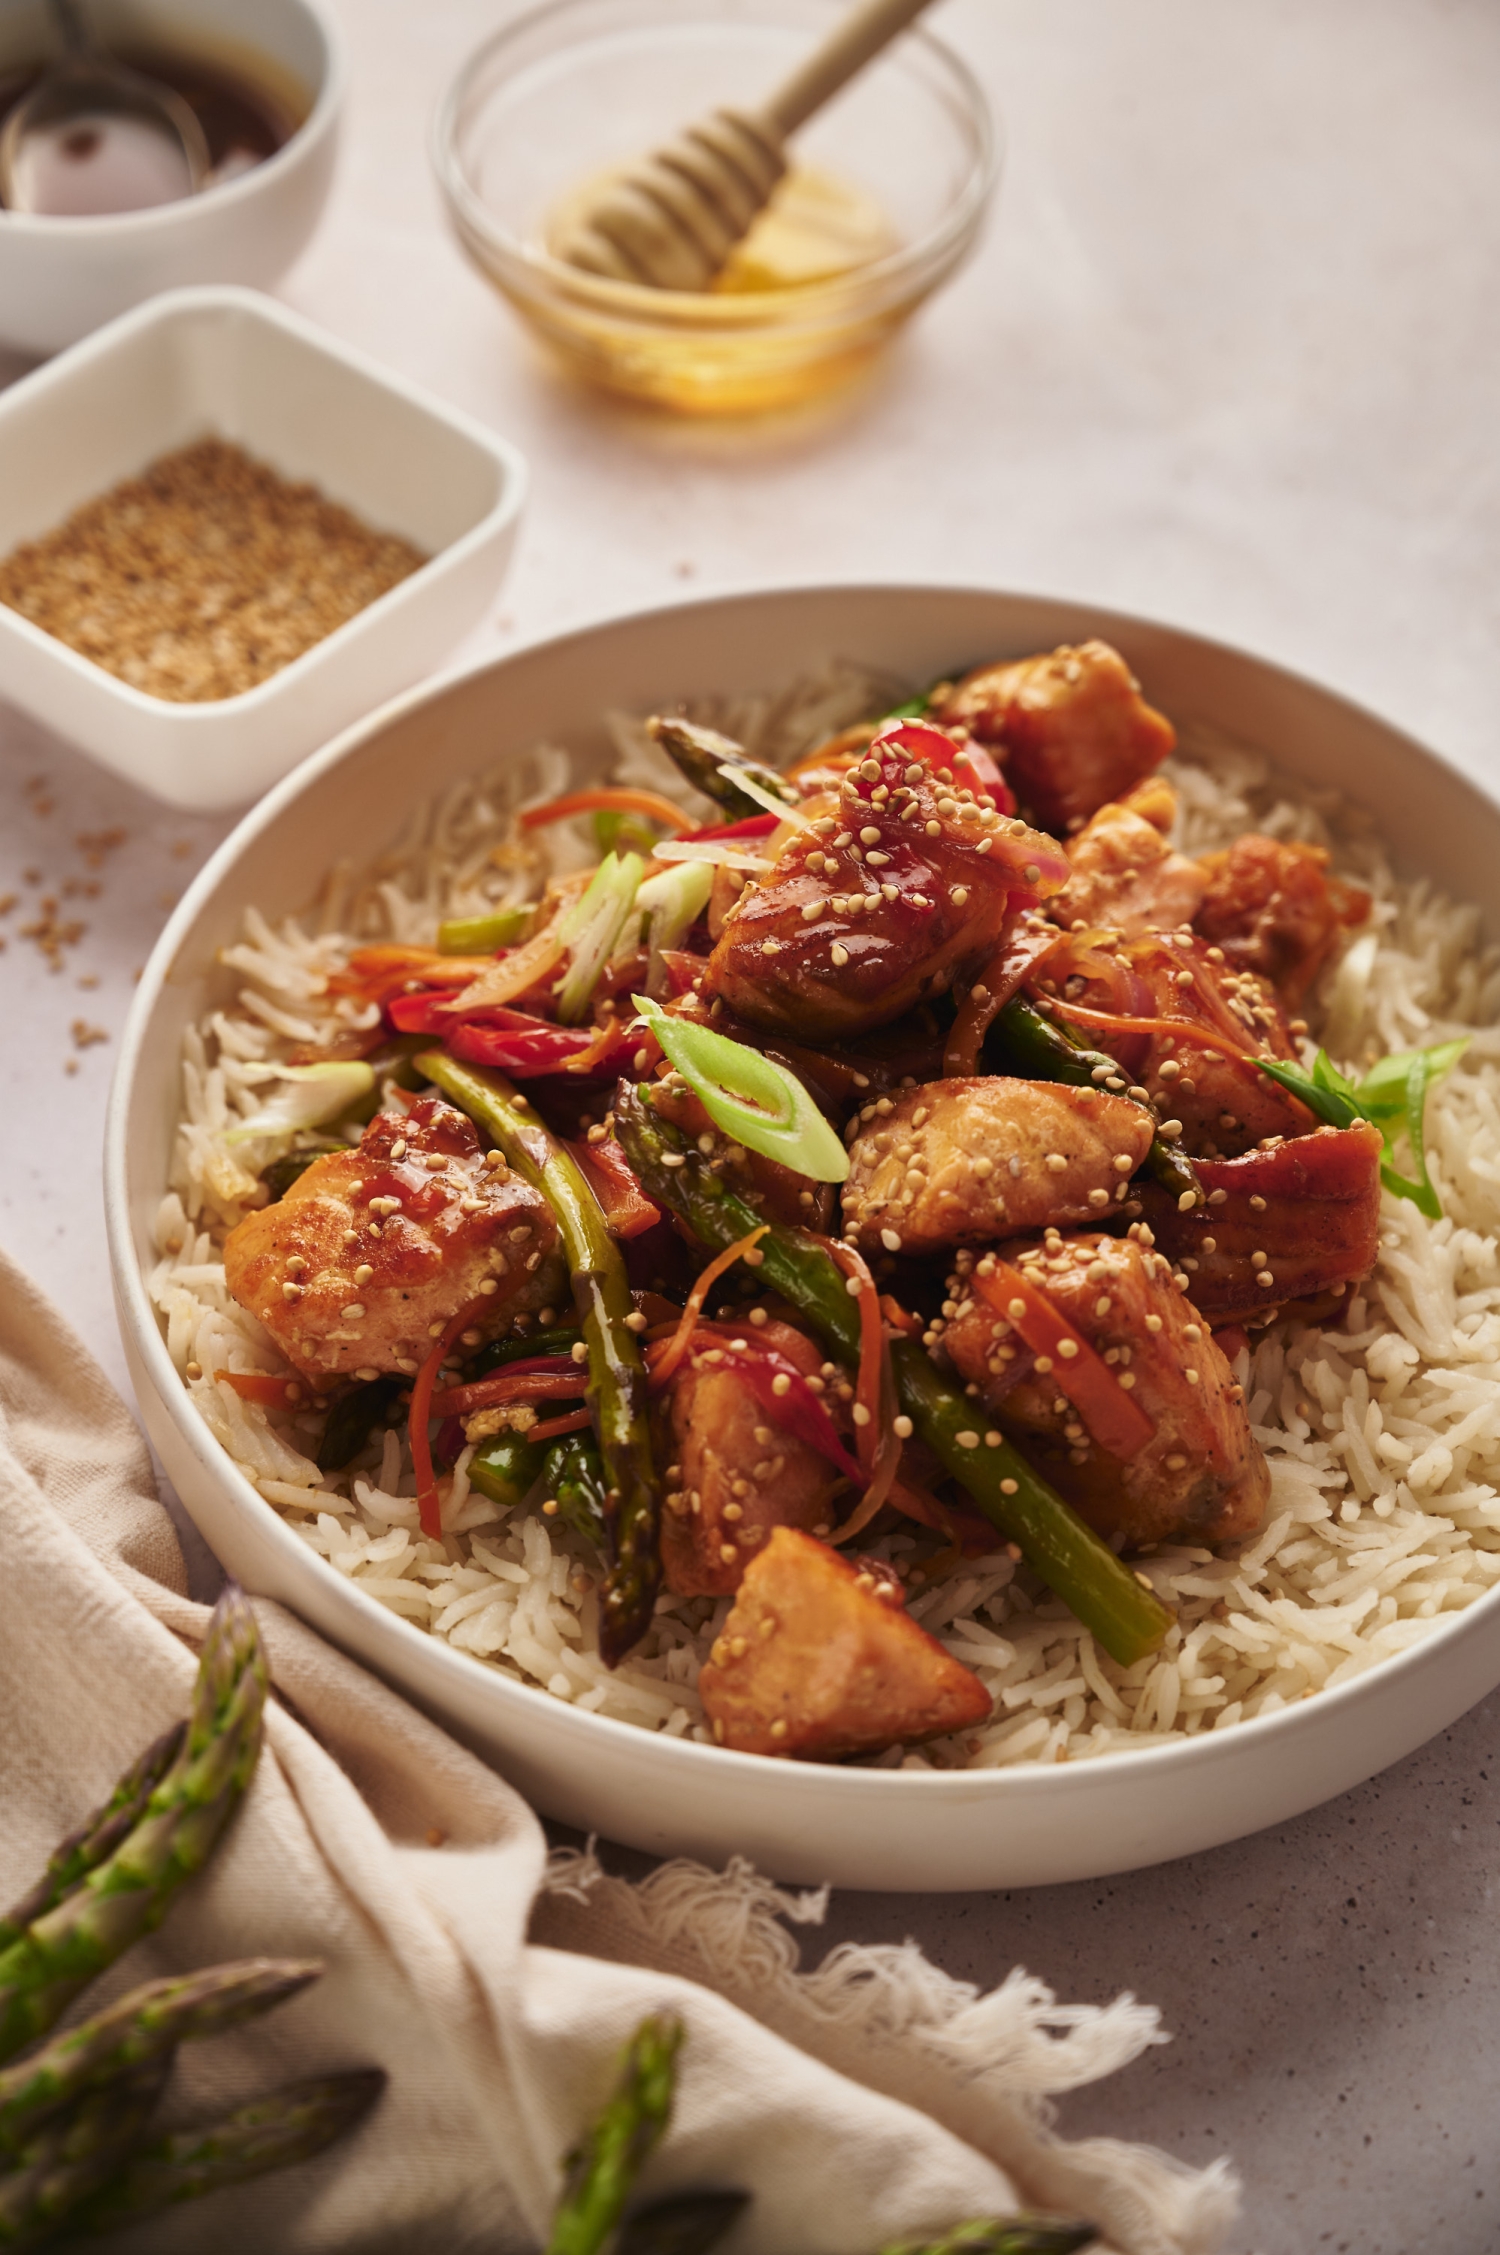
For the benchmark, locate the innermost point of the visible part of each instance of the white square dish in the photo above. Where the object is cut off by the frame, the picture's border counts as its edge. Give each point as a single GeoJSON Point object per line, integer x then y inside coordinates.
{"type": "Point", "coordinates": [232, 364]}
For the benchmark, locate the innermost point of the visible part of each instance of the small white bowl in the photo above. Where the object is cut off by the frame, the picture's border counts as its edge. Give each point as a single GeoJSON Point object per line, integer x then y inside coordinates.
{"type": "Point", "coordinates": [812, 1821]}
{"type": "Point", "coordinates": [60, 278]}
{"type": "Point", "coordinates": [238, 366]}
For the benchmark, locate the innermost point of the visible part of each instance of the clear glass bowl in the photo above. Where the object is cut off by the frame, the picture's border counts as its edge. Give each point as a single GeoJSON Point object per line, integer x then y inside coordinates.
{"type": "Point", "coordinates": [581, 87]}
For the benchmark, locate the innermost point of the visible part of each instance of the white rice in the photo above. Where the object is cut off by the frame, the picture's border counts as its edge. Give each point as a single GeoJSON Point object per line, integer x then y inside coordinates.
{"type": "Point", "coordinates": [1383, 1435]}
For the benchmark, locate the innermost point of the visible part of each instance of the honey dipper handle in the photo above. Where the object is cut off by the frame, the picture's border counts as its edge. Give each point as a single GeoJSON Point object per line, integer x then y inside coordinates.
{"type": "Point", "coordinates": [860, 36]}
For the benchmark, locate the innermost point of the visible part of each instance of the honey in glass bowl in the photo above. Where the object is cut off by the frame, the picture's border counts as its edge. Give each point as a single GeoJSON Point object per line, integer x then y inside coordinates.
{"type": "Point", "coordinates": [885, 198]}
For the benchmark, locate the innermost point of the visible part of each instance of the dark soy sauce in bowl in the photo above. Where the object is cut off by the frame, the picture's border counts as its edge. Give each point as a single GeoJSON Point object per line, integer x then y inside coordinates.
{"type": "Point", "coordinates": [108, 165]}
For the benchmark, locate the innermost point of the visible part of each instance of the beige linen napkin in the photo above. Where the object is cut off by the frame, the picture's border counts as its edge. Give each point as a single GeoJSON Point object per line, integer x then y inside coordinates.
{"type": "Point", "coordinates": [870, 2099]}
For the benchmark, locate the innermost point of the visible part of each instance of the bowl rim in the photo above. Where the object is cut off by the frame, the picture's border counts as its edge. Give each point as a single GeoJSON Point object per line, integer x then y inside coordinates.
{"type": "Point", "coordinates": [547, 275]}
{"type": "Point", "coordinates": [328, 101]}
{"type": "Point", "coordinates": [170, 306]}
{"type": "Point", "coordinates": [139, 1321]}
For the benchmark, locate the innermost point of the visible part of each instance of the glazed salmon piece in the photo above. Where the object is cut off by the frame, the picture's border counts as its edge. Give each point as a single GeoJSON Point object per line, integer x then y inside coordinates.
{"type": "Point", "coordinates": [1288, 1224]}
{"type": "Point", "coordinates": [1070, 729]}
{"type": "Point", "coordinates": [1271, 905]}
{"type": "Point", "coordinates": [740, 1473]}
{"type": "Point", "coordinates": [962, 1162]}
{"type": "Point", "coordinates": [1125, 874]}
{"type": "Point", "coordinates": [878, 906]}
{"type": "Point", "coordinates": [1201, 1474]}
{"type": "Point", "coordinates": [370, 1248]}
{"type": "Point", "coordinates": [814, 1660]}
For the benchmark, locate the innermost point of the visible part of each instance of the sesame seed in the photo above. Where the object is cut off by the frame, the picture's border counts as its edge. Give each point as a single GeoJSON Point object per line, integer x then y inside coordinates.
{"type": "Point", "coordinates": [1098, 1197]}
{"type": "Point", "coordinates": [1123, 1163]}
{"type": "Point", "coordinates": [891, 1240]}
{"type": "Point", "coordinates": [354, 1313]}
{"type": "Point", "coordinates": [1067, 1348]}
{"type": "Point", "coordinates": [291, 1291]}
{"type": "Point", "coordinates": [363, 1273]}
{"type": "Point", "coordinates": [398, 1148]}
{"type": "Point", "coordinates": [1055, 1163]}
{"type": "Point", "coordinates": [1127, 1379]}
{"type": "Point", "coordinates": [1265, 1277]}
{"type": "Point", "coordinates": [959, 895]}
{"type": "Point", "coordinates": [1187, 1201]}
{"type": "Point", "coordinates": [778, 1730]}
{"type": "Point", "coordinates": [840, 955]}
{"type": "Point", "coordinates": [967, 1440]}
{"type": "Point", "coordinates": [1258, 1203]}
{"type": "Point", "coordinates": [812, 910]}
{"type": "Point", "coordinates": [1010, 1488]}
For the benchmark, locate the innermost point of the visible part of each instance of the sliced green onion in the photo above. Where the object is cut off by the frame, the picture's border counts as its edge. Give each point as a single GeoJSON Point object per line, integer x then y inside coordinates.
{"type": "Point", "coordinates": [310, 1096]}
{"type": "Point", "coordinates": [671, 902]}
{"type": "Point", "coordinates": [481, 935]}
{"type": "Point", "coordinates": [1392, 1097]}
{"type": "Point", "coordinates": [593, 926]}
{"type": "Point", "coordinates": [758, 1102]}
{"type": "Point", "coordinates": [743, 780]}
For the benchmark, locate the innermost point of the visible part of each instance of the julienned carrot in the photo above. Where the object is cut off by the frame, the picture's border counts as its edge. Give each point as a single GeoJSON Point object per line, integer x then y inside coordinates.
{"type": "Point", "coordinates": [664, 1365]}
{"type": "Point", "coordinates": [1183, 1029]}
{"type": "Point", "coordinates": [429, 1510]}
{"type": "Point", "coordinates": [609, 800]}
{"type": "Point", "coordinates": [519, 1385]}
{"type": "Point", "coordinates": [876, 1439]}
{"type": "Point", "coordinates": [1116, 1422]}
{"type": "Point", "coordinates": [260, 1386]}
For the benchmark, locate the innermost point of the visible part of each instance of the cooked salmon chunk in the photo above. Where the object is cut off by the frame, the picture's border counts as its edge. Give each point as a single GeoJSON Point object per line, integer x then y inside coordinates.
{"type": "Point", "coordinates": [1071, 730]}
{"type": "Point", "coordinates": [1292, 1223]}
{"type": "Point", "coordinates": [1125, 874]}
{"type": "Point", "coordinates": [1272, 907]}
{"type": "Point", "coordinates": [1177, 983]}
{"type": "Point", "coordinates": [373, 1249]}
{"type": "Point", "coordinates": [1201, 1473]}
{"type": "Point", "coordinates": [818, 1659]}
{"type": "Point", "coordinates": [962, 1162]}
{"type": "Point", "coordinates": [739, 1471]}
{"type": "Point", "coordinates": [877, 907]}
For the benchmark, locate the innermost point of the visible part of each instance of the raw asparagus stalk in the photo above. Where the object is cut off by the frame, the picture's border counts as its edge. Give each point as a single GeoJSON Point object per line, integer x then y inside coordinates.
{"type": "Point", "coordinates": [1127, 1619]}
{"type": "Point", "coordinates": [1045, 1049]}
{"type": "Point", "coordinates": [137, 2028]}
{"type": "Point", "coordinates": [270, 2133]}
{"type": "Point", "coordinates": [616, 1395]}
{"type": "Point", "coordinates": [75, 2155]}
{"type": "Point", "coordinates": [1003, 2235]}
{"type": "Point", "coordinates": [97, 1837]}
{"type": "Point", "coordinates": [600, 2171]}
{"type": "Point", "coordinates": [127, 1894]}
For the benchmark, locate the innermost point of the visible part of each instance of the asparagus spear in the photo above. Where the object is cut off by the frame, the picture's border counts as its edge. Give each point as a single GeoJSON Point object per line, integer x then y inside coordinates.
{"type": "Point", "coordinates": [616, 1393]}
{"type": "Point", "coordinates": [698, 753]}
{"type": "Point", "coordinates": [74, 2155]}
{"type": "Point", "coordinates": [1127, 1619]}
{"type": "Point", "coordinates": [683, 2223]}
{"type": "Point", "coordinates": [270, 2133]}
{"type": "Point", "coordinates": [1003, 2235]}
{"type": "Point", "coordinates": [97, 1837]}
{"type": "Point", "coordinates": [137, 2028]}
{"type": "Point", "coordinates": [574, 1480]}
{"type": "Point", "coordinates": [353, 1418]}
{"type": "Point", "coordinates": [1045, 1049]}
{"type": "Point", "coordinates": [127, 1894]}
{"type": "Point", "coordinates": [601, 2169]}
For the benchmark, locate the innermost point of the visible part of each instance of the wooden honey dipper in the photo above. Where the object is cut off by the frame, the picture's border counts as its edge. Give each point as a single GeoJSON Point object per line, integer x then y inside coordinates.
{"type": "Point", "coordinates": [672, 220]}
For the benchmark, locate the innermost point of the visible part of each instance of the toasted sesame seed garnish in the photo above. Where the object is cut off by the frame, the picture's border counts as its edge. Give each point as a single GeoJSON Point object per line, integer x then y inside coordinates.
{"type": "Point", "coordinates": [812, 910]}
{"type": "Point", "coordinates": [398, 1148]}
{"type": "Point", "coordinates": [354, 1313]}
{"type": "Point", "coordinates": [291, 1291]}
{"type": "Point", "coordinates": [839, 955]}
{"type": "Point", "coordinates": [363, 1273]}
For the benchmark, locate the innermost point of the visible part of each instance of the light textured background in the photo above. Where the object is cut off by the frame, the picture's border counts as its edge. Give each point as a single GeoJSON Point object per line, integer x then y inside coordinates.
{"type": "Point", "coordinates": [1229, 355]}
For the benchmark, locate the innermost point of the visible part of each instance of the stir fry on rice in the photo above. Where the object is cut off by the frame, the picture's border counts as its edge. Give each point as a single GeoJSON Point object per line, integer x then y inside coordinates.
{"type": "Point", "coordinates": [776, 1212]}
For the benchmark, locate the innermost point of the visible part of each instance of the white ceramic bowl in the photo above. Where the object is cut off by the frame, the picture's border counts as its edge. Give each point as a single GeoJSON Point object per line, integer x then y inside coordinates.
{"type": "Point", "coordinates": [239, 365]}
{"type": "Point", "coordinates": [856, 1827]}
{"type": "Point", "coordinates": [60, 278]}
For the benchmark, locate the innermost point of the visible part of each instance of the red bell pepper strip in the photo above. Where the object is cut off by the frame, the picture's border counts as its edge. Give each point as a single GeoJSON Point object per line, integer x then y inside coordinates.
{"type": "Point", "coordinates": [609, 1174]}
{"type": "Point", "coordinates": [539, 1379]}
{"type": "Point", "coordinates": [753, 826]}
{"type": "Point", "coordinates": [524, 1056]}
